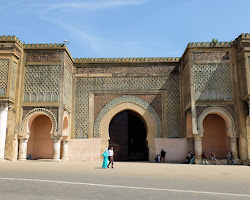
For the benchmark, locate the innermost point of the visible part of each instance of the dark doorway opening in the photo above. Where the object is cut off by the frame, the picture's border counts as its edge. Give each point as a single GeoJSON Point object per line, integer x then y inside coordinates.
{"type": "Point", "coordinates": [128, 133]}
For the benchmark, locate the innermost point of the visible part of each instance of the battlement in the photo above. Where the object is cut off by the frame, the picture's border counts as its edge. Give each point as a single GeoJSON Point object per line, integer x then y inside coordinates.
{"type": "Point", "coordinates": [209, 44]}
{"type": "Point", "coordinates": [10, 38]}
{"type": "Point", "coordinates": [147, 59]}
{"type": "Point", "coordinates": [44, 45]}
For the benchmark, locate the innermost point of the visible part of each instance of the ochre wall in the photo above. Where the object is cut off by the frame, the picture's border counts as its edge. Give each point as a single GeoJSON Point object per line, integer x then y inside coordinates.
{"type": "Point", "coordinates": [84, 149]}
{"type": "Point", "coordinates": [40, 144]}
{"type": "Point", "coordinates": [214, 137]}
{"type": "Point", "coordinates": [176, 148]}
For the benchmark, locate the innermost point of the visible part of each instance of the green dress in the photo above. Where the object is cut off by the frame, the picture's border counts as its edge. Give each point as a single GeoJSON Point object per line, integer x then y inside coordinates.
{"type": "Point", "coordinates": [105, 160]}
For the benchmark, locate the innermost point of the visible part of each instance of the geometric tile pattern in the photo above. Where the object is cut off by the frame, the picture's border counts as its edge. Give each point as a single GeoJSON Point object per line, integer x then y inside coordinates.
{"type": "Point", "coordinates": [173, 107]}
{"type": "Point", "coordinates": [123, 99]}
{"type": "Point", "coordinates": [213, 82]}
{"type": "Point", "coordinates": [4, 68]}
{"type": "Point", "coordinates": [85, 85]}
{"type": "Point", "coordinates": [67, 89]}
{"type": "Point", "coordinates": [42, 80]}
{"type": "Point", "coordinates": [229, 110]}
{"type": "Point", "coordinates": [13, 78]}
{"type": "Point", "coordinates": [243, 76]}
{"type": "Point", "coordinates": [186, 86]}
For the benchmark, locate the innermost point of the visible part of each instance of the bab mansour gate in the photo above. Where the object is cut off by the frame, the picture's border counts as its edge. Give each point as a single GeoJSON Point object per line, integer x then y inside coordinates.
{"type": "Point", "coordinates": [53, 106]}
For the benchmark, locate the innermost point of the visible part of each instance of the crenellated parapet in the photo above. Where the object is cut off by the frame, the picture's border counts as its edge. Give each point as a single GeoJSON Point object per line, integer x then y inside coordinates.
{"type": "Point", "coordinates": [150, 59]}
{"type": "Point", "coordinates": [10, 38]}
{"type": "Point", "coordinates": [209, 44]}
{"type": "Point", "coordinates": [44, 45]}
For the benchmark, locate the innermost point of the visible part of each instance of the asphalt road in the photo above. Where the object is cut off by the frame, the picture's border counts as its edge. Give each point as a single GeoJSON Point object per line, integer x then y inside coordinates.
{"type": "Point", "coordinates": [128, 180]}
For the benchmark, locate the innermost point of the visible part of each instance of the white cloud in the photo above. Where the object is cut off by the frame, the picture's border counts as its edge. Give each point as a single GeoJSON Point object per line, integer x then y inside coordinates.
{"type": "Point", "coordinates": [101, 4]}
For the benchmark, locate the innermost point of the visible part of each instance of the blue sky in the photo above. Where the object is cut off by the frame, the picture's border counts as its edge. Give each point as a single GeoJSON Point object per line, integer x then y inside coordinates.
{"type": "Point", "coordinates": [124, 28]}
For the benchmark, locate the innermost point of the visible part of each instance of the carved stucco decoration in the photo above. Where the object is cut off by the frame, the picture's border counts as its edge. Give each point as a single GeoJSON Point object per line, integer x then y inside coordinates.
{"type": "Point", "coordinates": [125, 99]}
{"type": "Point", "coordinates": [229, 120]}
{"type": "Point", "coordinates": [36, 112]}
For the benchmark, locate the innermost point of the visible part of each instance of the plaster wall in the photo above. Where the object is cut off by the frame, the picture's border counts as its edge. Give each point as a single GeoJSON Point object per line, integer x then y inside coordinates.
{"type": "Point", "coordinates": [84, 149]}
{"type": "Point", "coordinates": [176, 148]}
{"type": "Point", "coordinates": [214, 137]}
{"type": "Point", "coordinates": [40, 144]}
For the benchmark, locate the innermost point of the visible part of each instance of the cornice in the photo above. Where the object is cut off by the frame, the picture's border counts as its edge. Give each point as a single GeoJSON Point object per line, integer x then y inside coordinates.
{"type": "Point", "coordinates": [126, 60]}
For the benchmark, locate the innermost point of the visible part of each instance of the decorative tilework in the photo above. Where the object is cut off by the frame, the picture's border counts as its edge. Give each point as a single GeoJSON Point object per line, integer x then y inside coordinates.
{"type": "Point", "coordinates": [80, 133]}
{"type": "Point", "coordinates": [211, 55]}
{"type": "Point", "coordinates": [243, 76]}
{"type": "Point", "coordinates": [67, 93]}
{"type": "Point", "coordinates": [186, 86]}
{"type": "Point", "coordinates": [123, 99]}
{"type": "Point", "coordinates": [4, 68]}
{"type": "Point", "coordinates": [212, 82]}
{"type": "Point", "coordinates": [26, 96]}
{"type": "Point", "coordinates": [33, 96]}
{"type": "Point", "coordinates": [84, 85]}
{"type": "Point", "coordinates": [173, 107]}
{"type": "Point", "coordinates": [155, 100]}
{"type": "Point", "coordinates": [54, 96]}
{"type": "Point", "coordinates": [13, 78]}
{"type": "Point", "coordinates": [43, 57]}
{"type": "Point", "coordinates": [40, 96]}
{"type": "Point", "coordinates": [28, 109]}
{"type": "Point", "coordinates": [47, 96]}
{"type": "Point", "coordinates": [42, 79]}
{"type": "Point", "coordinates": [122, 69]}
{"type": "Point", "coordinates": [229, 109]}
{"type": "Point", "coordinates": [29, 112]}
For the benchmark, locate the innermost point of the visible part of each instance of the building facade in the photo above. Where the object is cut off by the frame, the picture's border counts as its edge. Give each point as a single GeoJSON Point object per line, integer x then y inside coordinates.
{"type": "Point", "coordinates": [57, 107]}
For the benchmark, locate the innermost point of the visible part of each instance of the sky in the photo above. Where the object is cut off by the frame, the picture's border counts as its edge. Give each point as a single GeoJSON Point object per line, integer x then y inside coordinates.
{"type": "Point", "coordinates": [124, 28]}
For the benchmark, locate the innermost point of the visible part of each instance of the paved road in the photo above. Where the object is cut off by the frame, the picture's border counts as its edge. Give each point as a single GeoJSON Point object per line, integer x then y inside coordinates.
{"type": "Point", "coordinates": [86, 180]}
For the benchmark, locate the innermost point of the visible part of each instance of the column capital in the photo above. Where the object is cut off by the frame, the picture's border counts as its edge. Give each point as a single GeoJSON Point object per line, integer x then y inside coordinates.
{"type": "Point", "coordinates": [57, 139]}
{"type": "Point", "coordinates": [6, 103]}
{"type": "Point", "coordinates": [23, 140]}
{"type": "Point", "coordinates": [65, 140]}
{"type": "Point", "coordinates": [197, 137]}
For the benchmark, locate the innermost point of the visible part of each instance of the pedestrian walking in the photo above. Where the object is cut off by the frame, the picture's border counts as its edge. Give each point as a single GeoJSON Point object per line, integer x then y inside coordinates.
{"type": "Point", "coordinates": [105, 159]}
{"type": "Point", "coordinates": [111, 157]}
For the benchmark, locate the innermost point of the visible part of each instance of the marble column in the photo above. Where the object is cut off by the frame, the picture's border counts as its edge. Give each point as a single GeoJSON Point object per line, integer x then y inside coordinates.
{"type": "Point", "coordinates": [65, 150]}
{"type": "Point", "coordinates": [3, 127]}
{"type": "Point", "coordinates": [22, 149]}
{"type": "Point", "coordinates": [198, 148]}
{"type": "Point", "coordinates": [234, 150]}
{"type": "Point", "coordinates": [56, 149]}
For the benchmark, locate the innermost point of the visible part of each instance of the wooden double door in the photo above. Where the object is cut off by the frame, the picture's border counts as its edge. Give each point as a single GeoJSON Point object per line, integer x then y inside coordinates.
{"type": "Point", "coordinates": [128, 135]}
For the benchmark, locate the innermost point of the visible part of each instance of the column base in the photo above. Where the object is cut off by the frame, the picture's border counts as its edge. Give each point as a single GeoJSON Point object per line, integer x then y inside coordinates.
{"type": "Point", "coordinates": [56, 160]}
{"type": "Point", "coordinates": [64, 159]}
{"type": "Point", "coordinates": [198, 161]}
{"type": "Point", "coordinates": [21, 159]}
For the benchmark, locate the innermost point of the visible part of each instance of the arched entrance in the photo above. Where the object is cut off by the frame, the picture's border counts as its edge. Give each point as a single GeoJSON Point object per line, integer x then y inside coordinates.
{"type": "Point", "coordinates": [216, 133]}
{"type": "Point", "coordinates": [128, 133]}
{"type": "Point", "coordinates": [39, 124]}
{"type": "Point", "coordinates": [215, 137]}
{"type": "Point", "coordinates": [40, 144]}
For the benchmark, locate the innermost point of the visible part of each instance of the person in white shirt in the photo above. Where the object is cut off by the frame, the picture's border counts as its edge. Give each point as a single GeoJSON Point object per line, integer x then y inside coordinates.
{"type": "Point", "coordinates": [111, 157]}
